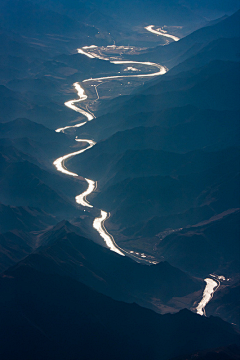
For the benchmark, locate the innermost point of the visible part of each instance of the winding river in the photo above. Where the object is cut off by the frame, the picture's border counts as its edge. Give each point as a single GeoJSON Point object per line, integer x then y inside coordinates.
{"type": "Point", "coordinates": [81, 199]}
{"type": "Point", "coordinates": [98, 223]}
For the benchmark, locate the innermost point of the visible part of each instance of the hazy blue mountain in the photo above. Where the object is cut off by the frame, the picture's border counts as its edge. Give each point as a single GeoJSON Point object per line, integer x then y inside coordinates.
{"type": "Point", "coordinates": [179, 51]}
{"type": "Point", "coordinates": [27, 18]}
{"type": "Point", "coordinates": [83, 11]}
{"type": "Point", "coordinates": [225, 49]}
{"type": "Point", "coordinates": [25, 184]}
{"type": "Point", "coordinates": [36, 140]}
{"type": "Point", "coordinates": [17, 46]}
{"type": "Point", "coordinates": [23, 127]}
{"type": "Point", "coordinates": [214, 5]}
{"type": "Point", "coordinates": [163, 12]}
{"type": "Point", "coordinates": [16, 105]}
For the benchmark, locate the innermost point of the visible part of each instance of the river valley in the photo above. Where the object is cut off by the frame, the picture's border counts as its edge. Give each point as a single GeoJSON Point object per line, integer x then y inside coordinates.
{"type": "Point", "coordinates": [81, 199]}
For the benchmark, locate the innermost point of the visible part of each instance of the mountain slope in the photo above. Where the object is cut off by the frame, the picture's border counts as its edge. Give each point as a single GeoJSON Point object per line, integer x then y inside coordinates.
{"type": "Point", "coordinates": [28, 297]}
{"type": "Point", "coordinates": [28, 18]}
{"type": "Point", "coordinates": [25, 184]}
{"type": "Point", "coordinates": [219, 249]}
{"type": "Point", "coordinates": [23, 218]}
{"type": "Point", "coordinates": [226, 304]}
{"type": "Point", "coordinates": [65, 251]}
{"type": "Point", "coordinates": [35, 140]}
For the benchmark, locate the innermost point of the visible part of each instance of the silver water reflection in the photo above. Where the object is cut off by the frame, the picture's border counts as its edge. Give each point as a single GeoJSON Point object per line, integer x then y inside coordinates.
{"type": "Point", "coordinates": [211, 287]}
{"type": "Point", "coordinates": [161, 32]}
{"type": "Point", "coordinates": [98, 223]}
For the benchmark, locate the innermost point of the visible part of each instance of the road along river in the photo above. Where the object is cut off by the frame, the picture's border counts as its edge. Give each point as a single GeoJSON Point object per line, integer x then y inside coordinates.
{"type": "Point", "coordinates": [98, 223]}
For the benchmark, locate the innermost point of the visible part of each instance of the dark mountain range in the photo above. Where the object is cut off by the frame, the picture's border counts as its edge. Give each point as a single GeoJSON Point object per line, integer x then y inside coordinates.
{"type": "Point", "coordinates": [113, 16]}
{"type": "Point", "coordinates": [223, 353]}
{"type": "Point", "coordinates": [226, 304]}
{"type": "Point", "coordinates": [24, 218]}
{"type": "Point", "coordinates": [12, 103]}
{"type": "Point", "coordinates": [29, 296]}
{"type": "Point", "coordinates": [214, 5]}
{"type": "Point", "coordinates": [172, 12]}
{"type": "Point", "coordinates": [216, 244]}
{"type": "Point", "coordinates": [12, 67]}
{"type": "Point", "coordinates": [68, 253]}
{"type": "Point", "coordinates": [20, 228]}
{"type": "Point", "coordinates": [79, 10]}
{"type": "Point", "coordinates": [212, 9]}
